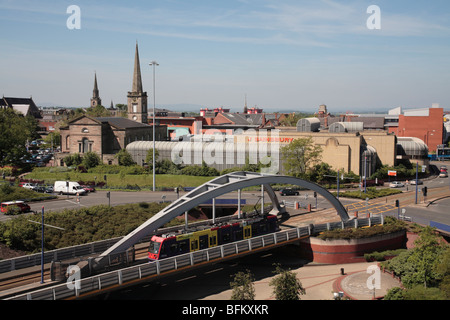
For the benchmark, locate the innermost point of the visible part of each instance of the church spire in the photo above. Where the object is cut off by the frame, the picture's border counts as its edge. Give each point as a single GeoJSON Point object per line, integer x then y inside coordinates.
{"type": "Point", "coordinates": [95, 94]}
{"type": "Point", "coordinates": [137, 80]}
{"type": "Point", "coordinates": [137, 98]}
{"type": "Point", "coordinates": [95, 100]}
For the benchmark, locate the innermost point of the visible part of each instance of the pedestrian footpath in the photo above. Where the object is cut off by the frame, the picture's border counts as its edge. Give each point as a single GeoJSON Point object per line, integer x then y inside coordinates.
{"type": "Point", "coordinates": [321, 281]}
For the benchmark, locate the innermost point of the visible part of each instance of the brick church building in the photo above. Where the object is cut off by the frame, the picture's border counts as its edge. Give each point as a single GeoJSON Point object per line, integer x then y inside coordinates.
{"type": "Point", "coordinates": [108, 135]}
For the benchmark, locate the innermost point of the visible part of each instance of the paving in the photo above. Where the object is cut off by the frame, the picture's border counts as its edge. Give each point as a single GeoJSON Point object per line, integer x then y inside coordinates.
{"type": "Point", "coordinates": [322, 281]}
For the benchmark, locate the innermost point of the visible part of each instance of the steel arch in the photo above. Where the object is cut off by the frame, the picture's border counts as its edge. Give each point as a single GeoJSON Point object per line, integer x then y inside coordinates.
{"type": "Point", "coordinates": [212, 189]}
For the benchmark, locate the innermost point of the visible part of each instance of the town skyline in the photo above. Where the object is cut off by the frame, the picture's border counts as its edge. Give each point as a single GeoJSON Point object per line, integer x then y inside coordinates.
{"type": "Point", "coordinates": [288, 56]}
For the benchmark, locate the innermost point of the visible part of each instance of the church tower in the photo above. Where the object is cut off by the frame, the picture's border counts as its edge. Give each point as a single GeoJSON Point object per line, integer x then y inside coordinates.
{"type": "Point", "coordinates": [95, 100]}
{"type": "Point", "coordinates": [137, 99]}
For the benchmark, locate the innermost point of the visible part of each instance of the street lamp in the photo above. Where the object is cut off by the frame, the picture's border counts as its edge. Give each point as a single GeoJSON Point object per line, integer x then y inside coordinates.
{"type": "Point", "coordinates": [42, 240]}
{"type": "Point", "coordinates": [154, 63]}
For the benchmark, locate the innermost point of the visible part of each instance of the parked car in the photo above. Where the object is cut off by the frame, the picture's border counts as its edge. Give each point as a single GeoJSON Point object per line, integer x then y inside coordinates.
{"type": "Point", "coordinates": [88, 188]}
{"type": "Point", "coordinates": [413, 182]}
{"type": "Point", "coordinates": [19, 206]}
{"type": "Point", "coordinates": [28, 185]}
{"type": "Point", "coordinates": [396, 184]}
{"type": "Point", "coordinates": [40, 189]}
{"type": "Point", "coordinates": [443, 174]}
{"type": "Point", "coordinates": [288, 192]}
{"type": "Point", "coordinates": [49, 189]}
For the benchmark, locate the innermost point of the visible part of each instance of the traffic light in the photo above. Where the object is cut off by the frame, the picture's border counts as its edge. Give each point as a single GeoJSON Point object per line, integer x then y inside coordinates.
{"type": "Point", "coordinates": [424, 190]}
{"type": "Point", "coordinates": [397, 203]}
{"type": "Point", "coordinates": [315, 194]}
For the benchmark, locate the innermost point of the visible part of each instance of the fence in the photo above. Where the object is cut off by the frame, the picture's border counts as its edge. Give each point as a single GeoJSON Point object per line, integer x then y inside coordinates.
{"type": "Point", "coordinates": [153, 269]}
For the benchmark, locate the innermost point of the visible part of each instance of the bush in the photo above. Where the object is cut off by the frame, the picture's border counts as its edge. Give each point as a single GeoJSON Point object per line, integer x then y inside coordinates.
{"type": "Point", "coordinates": [81, 226]}
{"type": "Point", "coordinates": [203, 171]}
{"type": "Point", "coordinates": [381, 256]}
{"type": "Point", "coordinates": [91, 160]}
{"type": "Point", "coordinates": [391, 225]}
{"type": "Point", "coordinates": [10, 193]}
{"type": "Point", "coordinates": [371, 193]}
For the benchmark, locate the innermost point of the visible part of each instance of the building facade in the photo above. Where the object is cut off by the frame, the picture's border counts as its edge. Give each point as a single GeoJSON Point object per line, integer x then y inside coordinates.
{"type": "Point", "coordinates": [425, 124]}
{"type": "Point", "coordinates": [105, 135]}
{"type": "Point", "coordinates": [354, 151]}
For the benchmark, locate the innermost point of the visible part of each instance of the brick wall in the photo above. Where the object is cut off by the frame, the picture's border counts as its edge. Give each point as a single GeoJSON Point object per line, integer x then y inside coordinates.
{"type": "Point", "coordinates": [349, 251]}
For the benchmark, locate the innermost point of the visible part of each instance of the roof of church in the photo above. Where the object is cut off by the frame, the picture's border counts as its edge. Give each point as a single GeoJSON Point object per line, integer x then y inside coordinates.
{"type": "Point", "coordinates": [122, 123]}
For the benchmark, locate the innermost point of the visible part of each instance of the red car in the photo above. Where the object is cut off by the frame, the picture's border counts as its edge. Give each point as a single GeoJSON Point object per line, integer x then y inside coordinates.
{"type": "Point", "coordinates": [21, 206]}
{"type": "Point", "coordinates": [88, 188]}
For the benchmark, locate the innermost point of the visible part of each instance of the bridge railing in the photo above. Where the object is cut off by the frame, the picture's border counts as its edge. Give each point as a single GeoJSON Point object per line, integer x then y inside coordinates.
{"type": "Point", "coordinates": [153, 269]}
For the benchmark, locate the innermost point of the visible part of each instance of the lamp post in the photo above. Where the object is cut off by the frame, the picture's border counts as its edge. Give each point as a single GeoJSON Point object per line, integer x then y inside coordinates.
{"type": "Point", "coordinates": [42, 246]}
{"type": "Point", "coordinates": [154, 64]}
{"type": "Point", "coordinates": [417, 178]}
{"type": "Point", "coordinates": [42, 240]}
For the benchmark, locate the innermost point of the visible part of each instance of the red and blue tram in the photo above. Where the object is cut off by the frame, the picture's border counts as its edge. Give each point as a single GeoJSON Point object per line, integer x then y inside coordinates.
{"type": "Point", "coordinates": [164, 246]}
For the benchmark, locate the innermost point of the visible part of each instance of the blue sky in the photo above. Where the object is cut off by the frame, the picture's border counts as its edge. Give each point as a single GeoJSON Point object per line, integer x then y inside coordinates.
{"type": "Point", "coordinates": [284, 55]}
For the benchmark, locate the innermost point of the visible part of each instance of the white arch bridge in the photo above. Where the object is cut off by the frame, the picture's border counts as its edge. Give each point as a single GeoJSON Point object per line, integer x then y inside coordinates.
{"type": "Point", "coordinates": [215, 188]}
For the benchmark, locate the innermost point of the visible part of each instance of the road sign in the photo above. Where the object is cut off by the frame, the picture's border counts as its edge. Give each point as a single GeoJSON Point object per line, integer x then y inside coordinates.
{"type": "Point", "coordinates": [392, 173]}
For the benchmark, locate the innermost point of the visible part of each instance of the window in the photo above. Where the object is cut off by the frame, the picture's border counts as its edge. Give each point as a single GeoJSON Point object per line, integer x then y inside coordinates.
{"type": "Point", "coordinates": [85, 145]}
{"type": "Point", "coordinates": [85, 130]}
{"type": "Point", "coordinates": [194, 245]}
{"type": "Point", "coordinates": [134, 107]}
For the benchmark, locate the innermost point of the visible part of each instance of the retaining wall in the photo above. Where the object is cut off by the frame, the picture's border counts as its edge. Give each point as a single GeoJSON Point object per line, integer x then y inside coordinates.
{"type": "Point", "coordinates": [349, 251]}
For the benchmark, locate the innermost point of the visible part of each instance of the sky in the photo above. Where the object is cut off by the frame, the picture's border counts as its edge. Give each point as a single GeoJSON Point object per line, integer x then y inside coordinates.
{"type": "Point", "coordinates": [280, 54]}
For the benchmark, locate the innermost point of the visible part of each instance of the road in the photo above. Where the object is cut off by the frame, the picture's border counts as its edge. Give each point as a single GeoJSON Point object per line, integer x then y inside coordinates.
{"type": "Point", "coordinates": [438, 210]}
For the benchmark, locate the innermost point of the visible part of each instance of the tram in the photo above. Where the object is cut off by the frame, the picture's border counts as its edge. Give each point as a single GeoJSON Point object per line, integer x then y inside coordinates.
{"type": "Point", "coordinates": [165, 246]}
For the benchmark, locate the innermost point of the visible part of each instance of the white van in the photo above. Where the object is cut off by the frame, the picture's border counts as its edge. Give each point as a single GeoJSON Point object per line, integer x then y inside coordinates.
{"type": "Point", "coordinates": [68, 187]}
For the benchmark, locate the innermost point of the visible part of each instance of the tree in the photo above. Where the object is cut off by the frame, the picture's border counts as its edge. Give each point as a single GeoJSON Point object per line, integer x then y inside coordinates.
{"type": "Point", "coordinates": [299, 156]}
{"type": "Point", "coordinates": [91, 160]}
{"type": "Point", "coordinates": [242, 286]}
{"type": "Point", "coordinates": [73, 160]}
{"type": "Point", "coordinates": [149, 157]}
{"type": "Point", "coordinates": [15, 130]}
{"type": "Point", "coordinates": [53, 139]}
{"type": "Point", "coordinates": [98, 111]}
{"type": "Point", "coordinates": [424, 258]}
{"type": "Point", "coordinates": [286, 285]}
{"type": "Point", "coordinates": [124, 158]}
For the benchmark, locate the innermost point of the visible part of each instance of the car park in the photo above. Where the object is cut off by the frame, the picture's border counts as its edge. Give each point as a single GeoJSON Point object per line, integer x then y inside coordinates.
{"type": "Point", "coordinates": [396, 184]}
{"type": "Point", "coordinates": [289, 192]}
